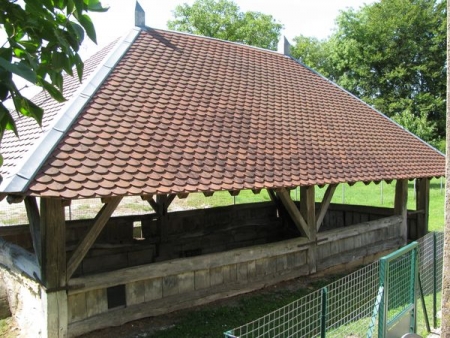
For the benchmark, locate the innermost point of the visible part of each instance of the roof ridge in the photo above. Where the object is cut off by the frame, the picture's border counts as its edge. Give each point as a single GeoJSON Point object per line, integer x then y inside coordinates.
{"type": "Point", "coordinates": [217, 39]}
{"type": "Point", "coordinates": [37, 155]}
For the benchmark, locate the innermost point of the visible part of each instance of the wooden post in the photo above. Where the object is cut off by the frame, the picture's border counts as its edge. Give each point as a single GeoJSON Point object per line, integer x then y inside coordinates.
{"type": "Point", "coordinates": [162, 202]}
{"type": "Point", "coordinates": [422, 205]}
{"type": "Point", "coordinates": [400, 206]}
{"type": "Point", "coordinates": [53, 268]}
{"type": "Point", "coordinates": [308, 210]}
{"type": "Point", "coordinates": [34, 220]}
{"type": "Point", "coordinates": [53, 242]}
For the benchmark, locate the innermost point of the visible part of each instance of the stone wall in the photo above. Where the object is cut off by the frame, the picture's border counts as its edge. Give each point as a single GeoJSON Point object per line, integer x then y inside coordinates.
{"type": "Point", "coordinates": [24, 297]}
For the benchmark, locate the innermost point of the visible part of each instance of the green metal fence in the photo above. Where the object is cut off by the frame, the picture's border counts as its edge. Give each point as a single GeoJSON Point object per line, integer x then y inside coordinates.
{"type": "Point", "coordinates": [398, 278]}
{"type": "Point", "coordinates": [431, 254]}
{"type": "Point", "coordinates": [350, 306]}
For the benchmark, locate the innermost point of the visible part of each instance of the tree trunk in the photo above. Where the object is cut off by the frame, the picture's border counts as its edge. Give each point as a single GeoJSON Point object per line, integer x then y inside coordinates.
{"type": "Point", "coordinates": [445, 306]}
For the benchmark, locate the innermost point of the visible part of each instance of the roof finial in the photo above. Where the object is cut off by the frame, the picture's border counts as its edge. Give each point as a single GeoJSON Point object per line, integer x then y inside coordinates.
{"type": "Point", "coordinates": [284, 47]}
{"type": "Point", "coordinates": [139, 16]}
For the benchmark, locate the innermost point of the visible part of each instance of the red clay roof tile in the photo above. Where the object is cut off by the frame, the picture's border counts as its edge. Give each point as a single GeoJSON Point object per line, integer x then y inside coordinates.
{"type": "Point", "coordinates": [181, 113]}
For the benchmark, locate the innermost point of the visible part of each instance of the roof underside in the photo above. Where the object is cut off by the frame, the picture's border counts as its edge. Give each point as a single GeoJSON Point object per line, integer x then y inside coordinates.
{"type": "Point", "coordinates": [181, 114]}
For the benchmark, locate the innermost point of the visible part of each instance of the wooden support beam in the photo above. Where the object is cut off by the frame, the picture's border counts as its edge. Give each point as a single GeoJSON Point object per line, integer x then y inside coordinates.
{"type": "Point", "coordinates": [34, 219]}
{"type": "Point", "coordinates": [153, 204]}
{"type": "Point", "coordinates": [84, 246]}
{"type": "Point", "coordinates": [293, 211]}
{"type": "Point", "coordinates": [256, 191]}
{"type": "Point", "coordinates": [325, 204]}
{"type": "Point", "coordinates": [208, 193]}
{"type": "Point", "coordinates": [182, 195]}
{"type": "Point", "coordinates": [53, 243]}
{"type": "Point", "coordinates": [308, 210]}
{"type": "Point", "coordinates": [170, 199]}
{"type": "Point", "coordinates": [400, 206]}
{"type": "Point", "coordinates": [422, 203]}
{"type": "Point", "coordinates": [273, 197]}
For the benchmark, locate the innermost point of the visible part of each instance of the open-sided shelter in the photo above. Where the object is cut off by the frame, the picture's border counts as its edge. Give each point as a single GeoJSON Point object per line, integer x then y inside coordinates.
{"type": "Point", "coordinates": [162, 115]}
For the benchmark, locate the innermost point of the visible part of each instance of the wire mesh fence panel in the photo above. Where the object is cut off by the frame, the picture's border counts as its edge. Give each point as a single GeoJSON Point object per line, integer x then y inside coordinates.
{"type": "Point", "coordinates": [426, 263]}
{"type": "Point", "coordinates": [425, 292]}
{"type": "Point", "coordinates": [401, 292]}
{"type": "Point", "coordinates": [300, 318]}
{"type": "Point", "coordinates": [430, 273]}
{"type": "Point", "coordinates": [351, 302]}
{"type": "Point", "coordinates": [439, 258]}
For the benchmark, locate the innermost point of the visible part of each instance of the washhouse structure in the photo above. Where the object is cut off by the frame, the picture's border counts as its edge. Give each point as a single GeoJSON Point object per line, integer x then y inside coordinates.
{"type": "Point", "coordinates": [162, 115]}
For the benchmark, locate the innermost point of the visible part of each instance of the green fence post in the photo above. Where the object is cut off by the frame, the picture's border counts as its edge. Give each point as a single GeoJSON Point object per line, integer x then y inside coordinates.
{"type": "Point", "coordinates": [413, 287]}
{"type": "Point", "coordinates": [424, 307]}
{"type": "Point", "coordinates": [383, 303]}
{"type": "Point", "coordinates": [323, 318]}
{"type": "Point", "coordinates": [434, 280]}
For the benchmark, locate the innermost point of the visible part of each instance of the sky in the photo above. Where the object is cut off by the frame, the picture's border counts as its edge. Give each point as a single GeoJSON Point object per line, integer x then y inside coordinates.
{"type": "Point", "coordinates": [313, 18]}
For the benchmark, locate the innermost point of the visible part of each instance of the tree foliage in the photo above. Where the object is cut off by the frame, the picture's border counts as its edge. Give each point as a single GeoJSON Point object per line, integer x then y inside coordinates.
{"type": "Point", "coordinates": [223, 19]}
{"type": "Point", "coordinates": [41, 41]}
{"type": "Point", "coordinates": [392, 55]}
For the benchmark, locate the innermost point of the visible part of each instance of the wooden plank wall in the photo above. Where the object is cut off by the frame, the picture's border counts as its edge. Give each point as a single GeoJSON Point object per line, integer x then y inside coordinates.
{"type": "Point", "coordinates": [163, 287]}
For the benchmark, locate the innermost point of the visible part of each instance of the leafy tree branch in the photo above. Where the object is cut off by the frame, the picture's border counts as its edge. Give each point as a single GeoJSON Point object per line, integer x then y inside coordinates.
{"type": "Point", "coordinates": [42, 40]}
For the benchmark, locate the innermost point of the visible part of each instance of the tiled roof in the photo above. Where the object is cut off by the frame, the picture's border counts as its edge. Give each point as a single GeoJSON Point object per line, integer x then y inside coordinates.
{"type": "Point", "coordinates": [181, 113]}
{"type": "Point", "coordinates": [13, 148]}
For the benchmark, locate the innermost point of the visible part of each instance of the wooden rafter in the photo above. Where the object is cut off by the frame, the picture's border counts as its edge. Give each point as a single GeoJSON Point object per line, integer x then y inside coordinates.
{"type": "Point", "coordinates": [325, 204]}
{"type": "Point", "coordinates": [35, 225]}
{"type": "Point", "coordinates": [293, 211]}
{"type": "Point", "coordinates": [84, 246]}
